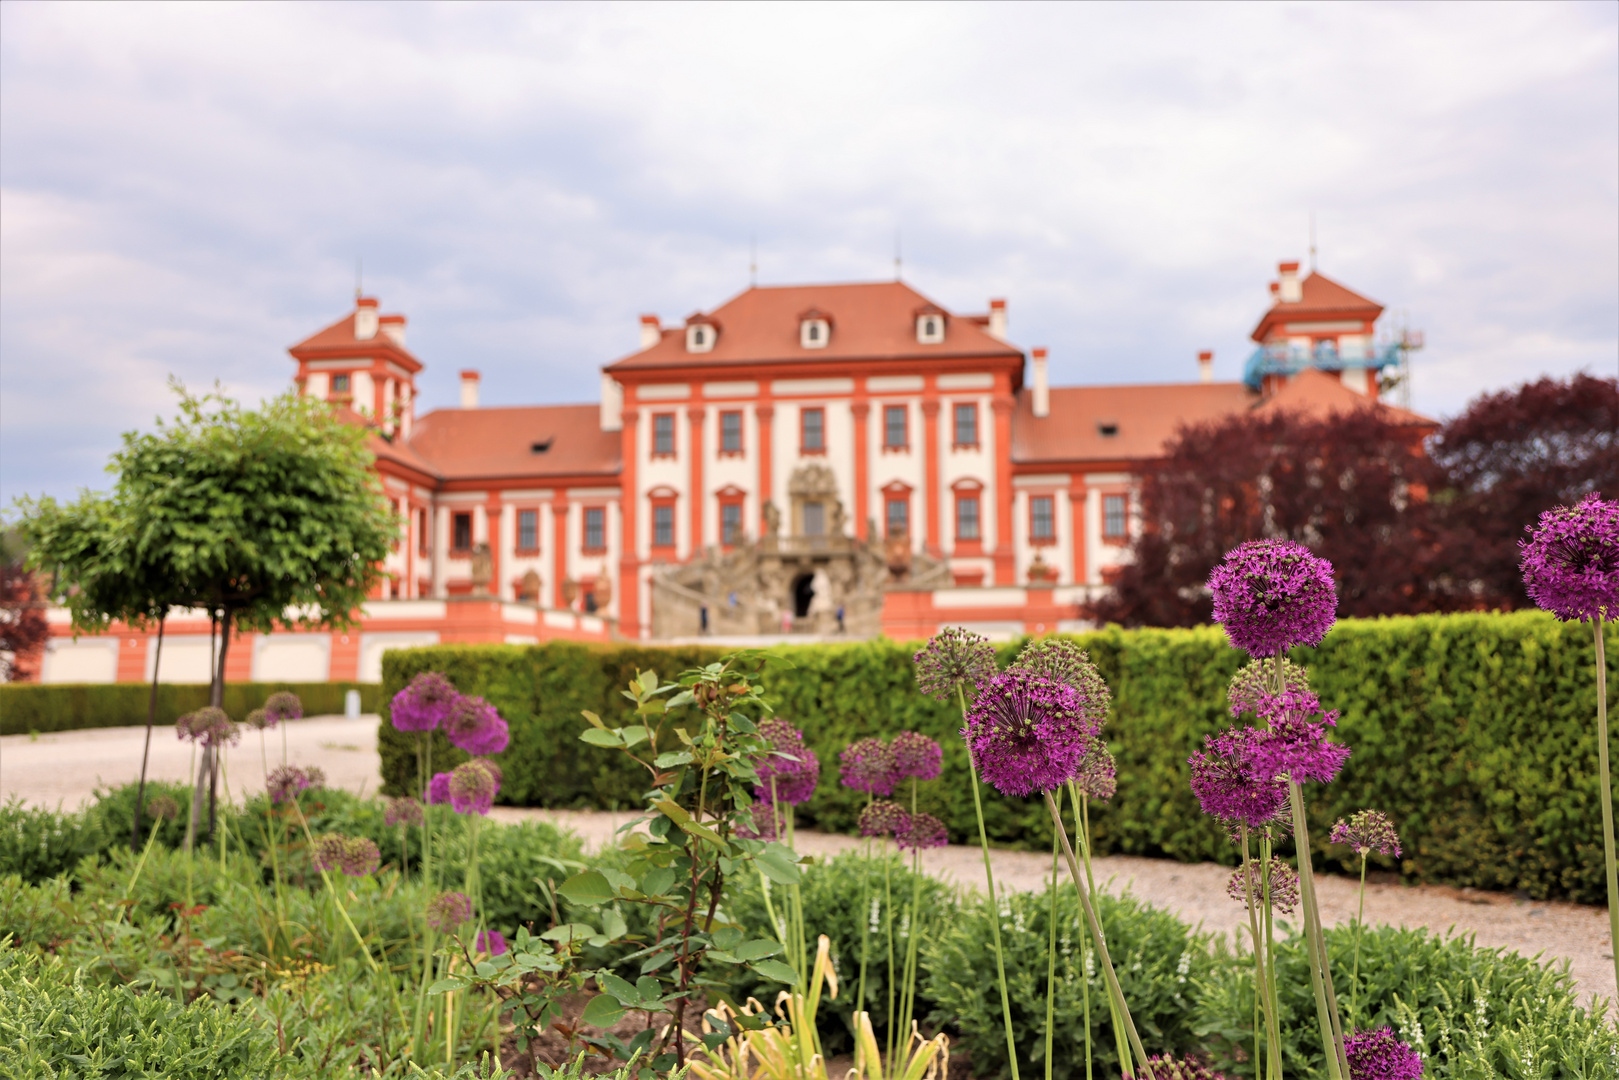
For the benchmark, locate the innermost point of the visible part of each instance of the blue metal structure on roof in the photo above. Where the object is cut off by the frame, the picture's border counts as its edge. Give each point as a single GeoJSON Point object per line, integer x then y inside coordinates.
{"type": "Point", "coordinates": [1292, 359]}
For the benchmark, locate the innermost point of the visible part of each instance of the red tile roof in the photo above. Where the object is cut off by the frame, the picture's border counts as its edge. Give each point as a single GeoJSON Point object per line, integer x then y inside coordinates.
{"type": "Point", "coordinates": [870, 321]}
{"type": "Point", "coordinates": [1322, 393]}
{"type": "Point", "coordinates": [491, 443]}
{"type": "Point", "coordinates": [1321, 300]}
{"type": "Point", "coordinates": [337, 341]}
{"type": "Point", "coordinates": [1144, 417]}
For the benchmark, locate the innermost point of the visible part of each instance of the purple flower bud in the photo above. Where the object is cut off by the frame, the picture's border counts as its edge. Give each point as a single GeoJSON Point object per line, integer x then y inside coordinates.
{"type": "Point", "coordinates": [884, 818]}
{"type": "Point", "coordinates": [1378, 1055]}
{"type": "Point", "coordinates": [868, 765]}
{"type": "Point", "coordinates": [438, 789]}
{"type": "Point", "coordinates": [1296, 746]}
{"type": "Point", "coordinates": [472, 788]}
{"type": "Point", "coordinates": [1098, 774]}
{"type": "Point", "coordinates": [360, 856]}
{"type": "Point", "coordinates": [917, 757]}
{"type": "Point", "coordinates": [1284, 886]}
{"type": "Point", "coordinates": [475, 726]}
{"type": "Point", "coordinates": [328, 852]}
{"type": "Point", "coordinates": [1571, 563]}
{"type": "Point", "coordinates": [1270, 595]}
{"type": "Point", "coordinates": [447, 911]}
{"type": "Point", "coordinates": [1060, 660]}
{"type": "Point", "coordinates": [285, 782]}
{"type": "Point", "coordinates": [789, 773]}
{"type": "Point", "coordinates": [424, 704]}
{"type": "Point", "coordinates": [208, 726]}
{"type": "Point", "coordinates": [922, 831]}
{"type": "Point", "coordinates": [283, 705]}
{"type": "Point", "coordinates": [405, 811]}
{"type": "Point", "coordinates": [1229, 782]}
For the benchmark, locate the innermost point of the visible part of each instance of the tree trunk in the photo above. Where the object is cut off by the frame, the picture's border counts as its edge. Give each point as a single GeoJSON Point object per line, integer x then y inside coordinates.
{"type": "Point", "coordinates": [205, 764]}
{"type": "Point", "coordinates": [151, 718]}
{"type": "Point", "coordinates": [216, 698]}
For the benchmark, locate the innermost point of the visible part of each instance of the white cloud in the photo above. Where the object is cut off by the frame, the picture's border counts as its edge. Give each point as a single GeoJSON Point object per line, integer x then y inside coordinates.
{"type": "Point", "coordinates": [186, 187]}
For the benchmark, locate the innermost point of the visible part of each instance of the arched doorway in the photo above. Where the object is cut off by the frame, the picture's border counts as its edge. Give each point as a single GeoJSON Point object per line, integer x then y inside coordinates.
{"type": "Point", "coordinates": [803, 593]}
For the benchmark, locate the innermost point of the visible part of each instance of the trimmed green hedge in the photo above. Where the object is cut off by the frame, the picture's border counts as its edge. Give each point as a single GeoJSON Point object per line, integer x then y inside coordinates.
{"type": "Point", "coordinates": [1476, 732]}
{"type": "Point", "coordinates": [26, 707]}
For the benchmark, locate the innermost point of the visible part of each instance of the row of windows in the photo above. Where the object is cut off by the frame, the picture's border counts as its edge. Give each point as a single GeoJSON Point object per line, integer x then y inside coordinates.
{"type": "Point", "coordinates": [812, 429]}
{"type": "Point", "coordinates": [896, 518]}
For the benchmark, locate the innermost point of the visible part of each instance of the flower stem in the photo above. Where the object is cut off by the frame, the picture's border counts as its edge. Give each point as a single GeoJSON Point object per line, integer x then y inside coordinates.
{"type": "Point", "coordinates": [1259, 953]}
{"type": "Point", "coordinates": [1101, 944]}
{"type": "Point", "coordinates": [994, 910]}
{"type": "Point", "coordinates": [1332, 1044]}
{"type": "Point", "coordinates": [1607, 799]}
{"type": "Point", "coordinates": [1360, 919]}
{"type": "Point", "coordinates": [1082, 833]}
{"type": "Point", "coordinates": [1051, 951]}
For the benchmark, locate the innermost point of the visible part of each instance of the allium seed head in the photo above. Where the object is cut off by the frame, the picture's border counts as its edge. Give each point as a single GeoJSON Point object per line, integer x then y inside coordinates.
{"type": "Point", "coordinates": [283, 705]}
{"type": "Point", "coordinates": [1378, 1055]}
{"type": "Point", "coordinates": [1367, 831]}
{"type": "Point", "coordinates": [883, 818]}
{"type": "Point", "coordinates": [329, 851]}
{"type": "Point", "coordinates": [360, 857]}
{"type": "Point", "coordinates": [315, 775]}
{"type": "Point", "coordinates": [208, 726]}
{"type": "Point", "coordinates": [1028, 734]}
{"type": "Point", "coordinates": [162, 807]}
{"type": "Point", "coordinates": [424, 704]}
{"type": "Point", "coordinates": [403, 811]}
{"type": "Point", "coordinates": [922, 831]}
{"type": "Point", "coordinates": [1284, 886]}
{"type": "Point", "coordinates": [917, 757]}
{"type": "Point", "coordinates": [954, 658]}
{"type": "Point", "coordinates": [285, 782]}
{"type": "Point", "coordinates": [868, 765]}
{"type": "Point", "coordinates": [1570, 564]}
{"type": "Point", "coordinates": [258, 720]}
{"type": "Point", "coordinates": [1270, 595]}
{"type": "Point", "coordinates": [1253, 682]}
{"type": "Point", "coordinates": [447, 911]}
{"type": "Point", "coordinates": [762, 822]}
{"type": "Point", "coordinates": [1098, 773]}
{"type": "Point", "coordinates": [475, 726]}
{"type": "Point", "coordinates": [472, 788]}
{"type": "Point", "coordinates": [1169, 1067]}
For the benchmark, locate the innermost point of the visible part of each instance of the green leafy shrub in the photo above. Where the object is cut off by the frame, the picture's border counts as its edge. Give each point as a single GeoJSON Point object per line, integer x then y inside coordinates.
{"type": "Point", "coordinates": [1159, 960]}
{"type": "Point", "coordinates": [1474, 732]}
{"type": "Point", "coordinates": [1471, 1011]}
{"type": "Point", "coordinates": [42, 708]}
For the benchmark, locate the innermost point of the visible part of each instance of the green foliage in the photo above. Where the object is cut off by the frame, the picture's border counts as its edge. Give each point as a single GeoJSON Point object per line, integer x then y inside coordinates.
{"type": "Point", "coordinates": [41, 708]}
{"type": "Point", "coordinates": [1474, 732]}
{"type": "Point", "coordinates": [1472, 1012]}
{"type": "Point", "coordinates": [1159, 960]}
{"type": "Point", "coordinates": [832, 893]}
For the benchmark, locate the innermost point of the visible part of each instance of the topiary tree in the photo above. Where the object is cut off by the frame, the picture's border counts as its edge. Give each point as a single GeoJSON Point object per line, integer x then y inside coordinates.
{"type": "Point", "coordinates": [265, 518]}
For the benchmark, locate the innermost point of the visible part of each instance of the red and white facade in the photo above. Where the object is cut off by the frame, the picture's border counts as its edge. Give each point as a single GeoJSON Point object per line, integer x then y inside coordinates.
{"type": "Point", "coordinates": [520, 524]}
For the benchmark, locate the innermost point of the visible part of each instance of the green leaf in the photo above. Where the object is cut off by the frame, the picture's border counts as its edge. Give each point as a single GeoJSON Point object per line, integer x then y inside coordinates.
{"type": "Point", "coordinates": [635, 734]}
{"type": "Point", "coordinates": [603, 1011]}
{"type": "Point", "coordinates": [595, 721]}
{"type": "Point", "coordinates": [648, 682]}
{"type": "Point", "coordinates": [613, 925]}
{"type": "Point", "coordinates": [444, 985]}
{"type": "Point", "coordinates": [670, 758]}
{"type": "Point", "coordinates": [757, 950]}
{"type": "Point", "coordinates": [597, 737]}
{"type": "Point", "coordinates": [779, 864]}
{"type": "Point", "coordinates": [589, 888]}
{"type": "Point", "coordinates": [775, 969]}
{"type": "Point", "coordinates": [658, 881]}
{"type": "Point", "coordinates": [619, 988]}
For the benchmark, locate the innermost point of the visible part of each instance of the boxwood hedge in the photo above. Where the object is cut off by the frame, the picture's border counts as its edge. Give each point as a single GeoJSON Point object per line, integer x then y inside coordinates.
{"type": "Point", "coordinates": [1476, 732]}
{"type": "Point", "coordinates": [26, 707]}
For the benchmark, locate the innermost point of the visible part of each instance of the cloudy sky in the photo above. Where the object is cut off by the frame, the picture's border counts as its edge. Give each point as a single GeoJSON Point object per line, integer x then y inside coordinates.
{"type": "Point", "coordinates": [185, 190]}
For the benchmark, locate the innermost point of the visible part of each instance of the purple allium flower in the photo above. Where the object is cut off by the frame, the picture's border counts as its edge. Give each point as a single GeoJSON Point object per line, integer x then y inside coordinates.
{"type": "Point", "coordinates": [472, 788]}
{"type": "Point", "coordinates": [162, 808]}
{"type": "Point", "coordinates": [1273, 594]}
{"type": "Point", "coordinates": [1169, 1067]}
{"type": "Point", "coordinates": [1253, 682]}
{"type": "Point", "coordinates": [765, 822]}
{"type": "Point", "coordinates": [953, 658]}
{"type": "Point", "coordinates": [446, 911]}
{"type": "Point", "coordinates": [917, 757]}
{"type": "Point", "coordinates": [884, 818]}
{"type": "Point", "coordinates": [438, 789]}
{"type": "Point", "coordinates": [1060, 660]}
{"type": "Point", "coordinates": [1027, 733]}
{"type": "Point", "coordinates": [360, 856]}
{"type": "Point", "coordinates": [424, 704]}
{"type": "Point", "coordinates": [492, 942]}
{"type": "Point", "coordinates": [1296, 745]}
{"type": "Point", "coordinates": [1284, 886]}
{"type": "Point", "coordinates": [868, 765]}
{"type": "Point", "coordinates": [328, 852]}
{"type": "Point", "coordinates": [285, 782]}
{"type": "Point", "coordinates": [208, 726]}
{"type": "Point", "coordinates": [1378, 1055]}
{"type": "Point", "coordinates": [258, 720]}
{"type": "Point", "coordinates": [1571, 563]}
{"type": "Point", "coordinates": [1367, 831]}
{"type": "Point", "coordinates": [1229, 782]}
{"type": "Point", "coordinates": [404, 811]}
{"type": "Point", "coordinates": [475, 726]}
{"type": "Point", "coordinates": [1098, 774]}
{"type": "Point", "coordinates": [922, 831]}
{"type": "Point", "coordinates": [283, 705]}
{"type": "Point", "coordinates": [789, 773]}
{"type": "Point", "coordinates": [315, 775]}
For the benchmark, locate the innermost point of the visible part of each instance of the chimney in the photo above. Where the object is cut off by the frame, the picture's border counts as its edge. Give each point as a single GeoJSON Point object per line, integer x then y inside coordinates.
{"type": "Point", "coordinates": [1205, 366]}
{"type": "Point", "coordinates": [651, 331]}
{"type": "Point", "coordinates": [393, 328]}
{"type": "Point", "coordinates": [1288, 288]}
{"type": "Point", "coordinates": [469, 388]}
{"type": "Point", "coordinates": [365, 318]}
{"type": "Point", "coordinates": [612, 404]}
{"type": "Point", "coordinates": [997, 319]}
{"type": "Point", "coordinates": [1042, 385]}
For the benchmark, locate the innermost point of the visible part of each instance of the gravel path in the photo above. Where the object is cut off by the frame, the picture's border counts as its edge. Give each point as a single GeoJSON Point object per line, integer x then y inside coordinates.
{"type": "Point", "coordinates": [63, 769]}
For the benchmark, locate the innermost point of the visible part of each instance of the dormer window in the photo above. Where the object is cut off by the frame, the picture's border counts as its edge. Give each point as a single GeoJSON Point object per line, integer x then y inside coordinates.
{"type": "Point", "coordinates": [700, 336]}
{"type": "Point", "coordinates": [814, 333]}
{"type": "Point", "coordinates": [930, 327]}
{"type": "Point", "coordinates": [1107, 428]}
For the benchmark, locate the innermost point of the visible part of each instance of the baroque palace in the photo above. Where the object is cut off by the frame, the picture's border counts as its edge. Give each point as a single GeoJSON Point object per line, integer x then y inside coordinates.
{"type": "Point", "coordinates": [832, 459]}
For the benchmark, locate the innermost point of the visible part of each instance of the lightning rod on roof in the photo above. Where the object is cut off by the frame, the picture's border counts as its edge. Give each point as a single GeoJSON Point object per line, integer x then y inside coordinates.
{"type": "Point", "coordinates": [896, 255]}
{"type": "Point", "coordinates": [1312, 241]}
{"type": "Point", "coordinates": [753, 261]}
{"type": "Point", "coordinates": [358, 292]}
